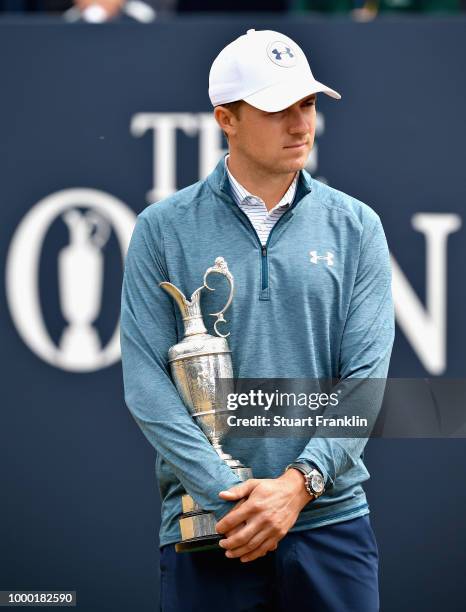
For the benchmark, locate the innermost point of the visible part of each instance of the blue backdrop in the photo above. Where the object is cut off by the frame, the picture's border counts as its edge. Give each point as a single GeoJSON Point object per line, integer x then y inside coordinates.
{"type": "Point", "coordinates": [99, 121]}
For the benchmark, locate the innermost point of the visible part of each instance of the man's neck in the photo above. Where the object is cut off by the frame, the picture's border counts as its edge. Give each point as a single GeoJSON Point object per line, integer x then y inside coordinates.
{"type": "Point", "coordinates": [269, 187]}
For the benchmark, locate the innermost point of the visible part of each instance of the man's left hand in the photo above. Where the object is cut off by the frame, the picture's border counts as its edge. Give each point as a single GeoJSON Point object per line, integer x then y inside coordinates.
{"type": "Point", "coordinates": [269, 508]}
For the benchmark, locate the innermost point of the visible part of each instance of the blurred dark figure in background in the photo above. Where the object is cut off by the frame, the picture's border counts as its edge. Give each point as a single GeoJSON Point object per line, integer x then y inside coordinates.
{"type": "Point", "coordinates": [111, 7]}
{"type": "Point", "coordinates": [379, 6]}
{"type": "Point", "coordinates": [49, 6]}
{"type": "Point", "coordinates": [233, 6]}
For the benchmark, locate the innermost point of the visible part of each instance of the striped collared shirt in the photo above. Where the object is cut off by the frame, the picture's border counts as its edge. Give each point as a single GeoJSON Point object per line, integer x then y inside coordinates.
{"type": "Point", "coordinates": [255, 208]}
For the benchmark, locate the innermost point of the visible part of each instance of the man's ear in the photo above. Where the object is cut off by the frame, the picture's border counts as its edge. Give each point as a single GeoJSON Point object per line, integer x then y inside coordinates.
{"type": "Point", "coordinates": [225, 119]}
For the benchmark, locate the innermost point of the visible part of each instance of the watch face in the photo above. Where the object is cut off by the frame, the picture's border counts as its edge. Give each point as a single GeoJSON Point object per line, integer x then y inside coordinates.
{"type": "Point", "coordinates": [317, 483]}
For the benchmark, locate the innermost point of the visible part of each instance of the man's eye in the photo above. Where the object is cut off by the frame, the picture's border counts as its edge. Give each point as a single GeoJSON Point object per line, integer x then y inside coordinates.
{"type": "Point", "coordinates": [310, 103]}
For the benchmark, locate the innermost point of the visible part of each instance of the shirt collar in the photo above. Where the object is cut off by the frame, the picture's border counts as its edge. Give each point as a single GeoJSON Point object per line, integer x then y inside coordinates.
{"type": "Point", "coordinates": [241, 195]}
{"type": "Point", "coordinates": [219, 183]}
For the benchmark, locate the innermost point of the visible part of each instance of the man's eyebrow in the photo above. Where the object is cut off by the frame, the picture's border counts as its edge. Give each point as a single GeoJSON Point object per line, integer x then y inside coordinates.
{"type": "Point", "coordinates": [311, 97]}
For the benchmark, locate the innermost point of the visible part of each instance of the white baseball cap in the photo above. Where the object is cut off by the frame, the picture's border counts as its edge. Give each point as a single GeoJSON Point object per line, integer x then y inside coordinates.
{"type": "Point", "coordinates": [266, 69]}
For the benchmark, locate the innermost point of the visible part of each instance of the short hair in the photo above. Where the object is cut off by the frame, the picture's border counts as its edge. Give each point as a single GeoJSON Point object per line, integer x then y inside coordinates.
{"type": "Point", "coordinates": [233, 106]}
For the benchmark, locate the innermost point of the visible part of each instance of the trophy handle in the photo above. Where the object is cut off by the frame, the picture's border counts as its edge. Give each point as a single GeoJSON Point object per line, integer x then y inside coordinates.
{"type": "Point", "coordinates": [220, 267]}
{"type": "Point", "coordinates": [102, 228]}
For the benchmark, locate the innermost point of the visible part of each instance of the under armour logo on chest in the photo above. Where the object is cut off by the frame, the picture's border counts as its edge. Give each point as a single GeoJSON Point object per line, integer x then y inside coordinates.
{"type": "Point", "coordinates": [329, 258]}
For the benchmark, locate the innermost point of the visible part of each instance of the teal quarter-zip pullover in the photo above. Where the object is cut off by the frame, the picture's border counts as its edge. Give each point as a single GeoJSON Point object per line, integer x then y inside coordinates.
{"type": "Point", "coordinates": [314, 302]}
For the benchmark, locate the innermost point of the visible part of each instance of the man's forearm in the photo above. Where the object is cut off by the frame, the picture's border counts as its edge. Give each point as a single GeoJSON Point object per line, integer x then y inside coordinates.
{"type": "Point", "coordinates": [148, 329]}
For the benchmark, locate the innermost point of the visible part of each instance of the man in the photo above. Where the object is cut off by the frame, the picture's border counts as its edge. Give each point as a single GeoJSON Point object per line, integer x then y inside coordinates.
{"type": "Point", "coordinates": [313, 300]}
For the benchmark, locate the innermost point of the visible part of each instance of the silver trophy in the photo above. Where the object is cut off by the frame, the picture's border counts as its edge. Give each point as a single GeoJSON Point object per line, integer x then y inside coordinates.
{"type": "Point", "coordinates": [203, 374]}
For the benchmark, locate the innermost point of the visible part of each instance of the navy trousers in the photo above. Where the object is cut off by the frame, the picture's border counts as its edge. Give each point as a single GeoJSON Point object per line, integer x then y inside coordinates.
{"type": "Point", "coordinates": [329, 569]}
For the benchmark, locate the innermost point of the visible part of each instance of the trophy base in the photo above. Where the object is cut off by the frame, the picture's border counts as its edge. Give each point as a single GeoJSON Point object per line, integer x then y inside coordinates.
{"type": "Point", "coordinates": [197, 531]}
{"type": "Point", "coordinates": [199, 544]}
{"type": "Point", "coordinates": [198, 526]}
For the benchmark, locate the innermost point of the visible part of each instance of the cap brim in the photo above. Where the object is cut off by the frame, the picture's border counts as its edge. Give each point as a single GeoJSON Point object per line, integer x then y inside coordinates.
{"type": "Point", "coordinates": [282, 95]}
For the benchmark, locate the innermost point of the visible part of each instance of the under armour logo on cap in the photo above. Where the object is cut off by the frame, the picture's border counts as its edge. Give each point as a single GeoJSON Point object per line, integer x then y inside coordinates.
{"type": "Point", "coordinates": [278, 54]}
{"type": "Point", "coordinates": [281, 53]}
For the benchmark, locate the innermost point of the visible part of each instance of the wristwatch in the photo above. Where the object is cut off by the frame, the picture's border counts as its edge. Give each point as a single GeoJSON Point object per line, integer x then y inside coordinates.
{"type": "Point", "coordinates": [313, 479]}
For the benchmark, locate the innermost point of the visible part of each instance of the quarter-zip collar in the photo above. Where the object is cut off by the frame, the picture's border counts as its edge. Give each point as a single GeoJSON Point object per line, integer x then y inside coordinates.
{"type": "Point", "coordinates": [220, 184]}
{"type": "Point", "coordinates": [243, 196]}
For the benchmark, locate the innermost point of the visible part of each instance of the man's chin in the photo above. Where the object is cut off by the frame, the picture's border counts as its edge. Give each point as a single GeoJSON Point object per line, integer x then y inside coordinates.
{"type": "Point", "coordinates": [294, 166]}
{"type": "Point", "coordinates": [286, 166]}
{"type": "Point", "coordinates": [296, 161]}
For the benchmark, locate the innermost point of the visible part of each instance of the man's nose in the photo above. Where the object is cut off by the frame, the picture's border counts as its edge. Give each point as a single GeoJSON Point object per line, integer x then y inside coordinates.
{"type": "Point", "coordinates": [299, 122]}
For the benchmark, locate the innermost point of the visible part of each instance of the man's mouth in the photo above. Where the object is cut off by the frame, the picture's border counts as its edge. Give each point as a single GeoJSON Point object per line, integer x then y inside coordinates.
{"type": "Point", "coordinates": [296, 146]}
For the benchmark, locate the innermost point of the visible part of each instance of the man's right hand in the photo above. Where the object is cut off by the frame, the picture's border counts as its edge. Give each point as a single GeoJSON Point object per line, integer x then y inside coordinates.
{"type": "Point", "coordinates": [270, 508]}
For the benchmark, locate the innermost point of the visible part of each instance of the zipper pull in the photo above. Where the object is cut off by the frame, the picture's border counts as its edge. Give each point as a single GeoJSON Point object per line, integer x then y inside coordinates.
{"type": "Point", "coordinates": [264, 251]}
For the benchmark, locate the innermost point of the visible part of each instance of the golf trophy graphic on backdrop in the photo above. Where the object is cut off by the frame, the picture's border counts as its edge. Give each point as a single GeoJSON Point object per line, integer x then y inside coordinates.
{"type": "Point", "coordinates": [80, 269]}
{"type": "Point", "coordinates": [202, 370]}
